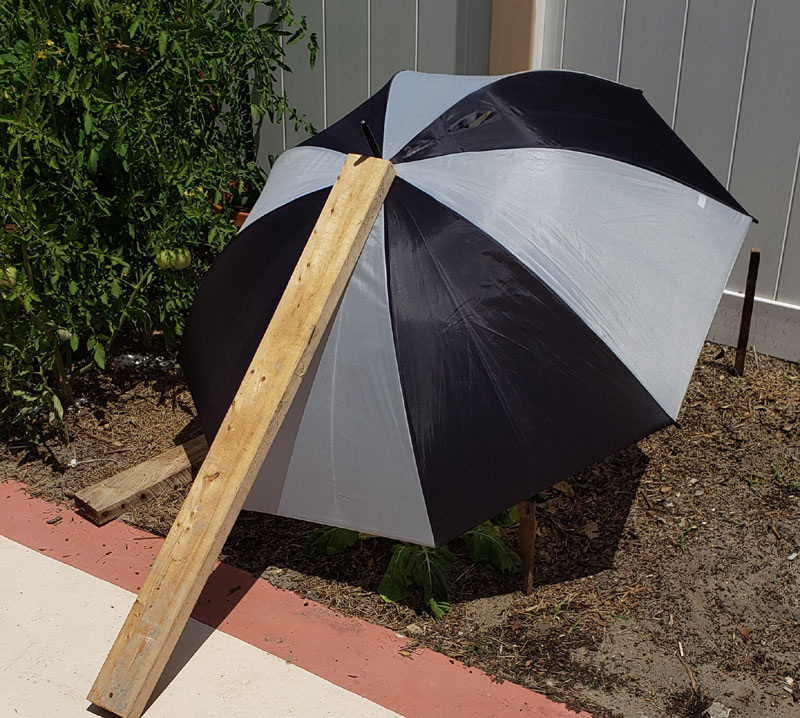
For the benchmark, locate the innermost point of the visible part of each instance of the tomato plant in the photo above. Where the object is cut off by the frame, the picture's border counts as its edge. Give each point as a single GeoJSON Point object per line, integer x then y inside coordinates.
{"type": "Point", "coordinates": [122, 125]}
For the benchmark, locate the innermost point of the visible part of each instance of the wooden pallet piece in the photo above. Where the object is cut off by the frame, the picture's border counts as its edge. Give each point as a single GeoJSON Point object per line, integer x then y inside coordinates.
{"type": "Point", "coordinates": [527, 543]}
{"type": "Point", "coordinates": [160, 612]}
{"type": "Point", "coordinates": [111, 497]}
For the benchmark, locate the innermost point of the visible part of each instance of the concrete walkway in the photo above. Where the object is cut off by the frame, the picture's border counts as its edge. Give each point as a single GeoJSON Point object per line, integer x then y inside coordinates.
{"type": "Point", "coordinates": [250, 650]}
{"type": "Point", "coordinates": [58, 624]}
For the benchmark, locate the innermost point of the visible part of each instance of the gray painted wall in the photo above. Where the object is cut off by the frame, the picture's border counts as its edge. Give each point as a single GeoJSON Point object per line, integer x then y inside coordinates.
{"type": "Point", "coordinates": [724, 74]}
{"type": "Point", "coordinates": [363, 43]}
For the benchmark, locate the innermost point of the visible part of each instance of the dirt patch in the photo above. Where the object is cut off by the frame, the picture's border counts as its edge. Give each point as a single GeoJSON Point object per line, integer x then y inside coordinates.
{"type": "Point", "coordinates": [665, 584]}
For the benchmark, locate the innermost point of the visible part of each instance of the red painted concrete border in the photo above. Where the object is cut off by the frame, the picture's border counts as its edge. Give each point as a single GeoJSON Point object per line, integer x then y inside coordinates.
{"type": "Point", "coordinates": [353, 654]}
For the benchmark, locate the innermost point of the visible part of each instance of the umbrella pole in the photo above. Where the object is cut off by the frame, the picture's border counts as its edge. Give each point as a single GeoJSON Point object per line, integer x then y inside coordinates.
{"type": "Point", "coordinates": [166, 600]}
{"type": "Point", "coordinates": [527, 542]}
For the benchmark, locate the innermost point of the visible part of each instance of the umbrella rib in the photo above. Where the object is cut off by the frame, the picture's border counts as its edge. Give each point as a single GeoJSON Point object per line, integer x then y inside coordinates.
{"type": "Point", "coordinates": [333, 404]}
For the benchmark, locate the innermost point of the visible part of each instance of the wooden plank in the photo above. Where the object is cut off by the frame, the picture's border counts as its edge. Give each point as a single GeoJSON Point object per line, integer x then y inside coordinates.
{"type": "Point", "coordinates": [162, 608]}
{"type": "Point", "coordinates": [107, 499]}
{"type": "Point", "coordinates": [512, 31]}
{"type": "Point", "coordinates": [527, 543]}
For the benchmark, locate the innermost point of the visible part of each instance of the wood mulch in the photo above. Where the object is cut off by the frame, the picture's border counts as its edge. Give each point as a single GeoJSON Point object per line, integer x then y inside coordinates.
{"type": "Point", "coordinates": [668, 576]}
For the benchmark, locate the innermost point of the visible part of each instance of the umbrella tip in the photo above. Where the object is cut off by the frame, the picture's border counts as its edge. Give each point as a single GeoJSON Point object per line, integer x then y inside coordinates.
{"type": "Point", "coordinates": [373, 146]}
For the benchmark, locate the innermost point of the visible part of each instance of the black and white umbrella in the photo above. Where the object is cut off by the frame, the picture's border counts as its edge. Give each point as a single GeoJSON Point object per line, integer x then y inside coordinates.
{"type": "Point", "coordinates": [532, 298]}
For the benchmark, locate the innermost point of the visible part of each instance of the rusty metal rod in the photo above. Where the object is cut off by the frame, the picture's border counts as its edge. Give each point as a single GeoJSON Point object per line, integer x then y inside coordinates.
{"type": "Point", "coordinates": [747, 310]}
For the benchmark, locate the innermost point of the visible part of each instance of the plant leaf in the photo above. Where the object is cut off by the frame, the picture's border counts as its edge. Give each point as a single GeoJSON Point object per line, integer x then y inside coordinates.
{"type": "Point", "coordinates": [92, 162]}
{"type": "Point", "coordinates": [72, 43]}
{"type": "Point", "coordinates": [328, 540]}
{"type": "Point", "coordinates": [100, 355]}
{"type": "Point", "coordinates": [438, 608]}
{"type": "Point", "coordinates": [509, 517]}
{"type": "Point", "coordinates": [485, 544]}
{"type": "Point", "coordinates": [430, 570]}
{"type": "Point", "coordinates": [396, 581]}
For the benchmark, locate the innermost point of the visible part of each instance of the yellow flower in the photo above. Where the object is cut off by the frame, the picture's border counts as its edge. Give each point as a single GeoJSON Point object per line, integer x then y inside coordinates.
{"type": "Point", "coordinates": [60, 50]}
{"type": "Point", "coordinates": [199, 188]}
{"type": "Point", "coordinates": [41, 55]}
{"type": "Point", "coordinates": [49, 42]}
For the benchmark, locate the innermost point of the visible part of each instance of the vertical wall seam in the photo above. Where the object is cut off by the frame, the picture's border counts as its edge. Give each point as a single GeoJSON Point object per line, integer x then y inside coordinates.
{"type": "Point", "coordinates": [539, 23]}
{"type": "Point", "coordinates": [787, 223]}
{"type": "Point", "coordinates": [741, 95]}
{"type": "Point", "coordinates": [563, 35]}
{"type": "Point", "coordinates": [680, 64]}
{"type": "Point", "coordinates": [369, 47]}
{"type": "Point", "coordinates": [464, 62]}
{"type": "Point", "coordinates": [324, 68]}
{"type": "Point", "coordinates": [283, 92]}
{"type": "Point", "coordinates": [416, 36]}
{"type": "Point", "coordinates": [621, 36]}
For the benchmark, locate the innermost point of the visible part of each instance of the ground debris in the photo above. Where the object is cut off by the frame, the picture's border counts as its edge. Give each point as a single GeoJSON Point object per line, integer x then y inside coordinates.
{"type": "Point", "coordinates": [620, 576]}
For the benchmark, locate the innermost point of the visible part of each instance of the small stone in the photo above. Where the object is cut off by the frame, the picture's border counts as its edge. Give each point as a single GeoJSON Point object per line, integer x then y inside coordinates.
{"type": "Point", "coordinates": [412, 630]}
{"type": "Point", "coordinates": [792, 556]}
{"type": "Point", "coordinates": [717, 710]}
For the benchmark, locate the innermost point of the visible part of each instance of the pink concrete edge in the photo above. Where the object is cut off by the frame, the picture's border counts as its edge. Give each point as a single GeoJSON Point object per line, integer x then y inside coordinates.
{"type": "Point", "coordinates": [356, 655]}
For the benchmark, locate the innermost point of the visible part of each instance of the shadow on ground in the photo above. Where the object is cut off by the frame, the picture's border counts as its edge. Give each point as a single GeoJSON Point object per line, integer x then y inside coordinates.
{"type": "Point", "coordinates": [578, 536]}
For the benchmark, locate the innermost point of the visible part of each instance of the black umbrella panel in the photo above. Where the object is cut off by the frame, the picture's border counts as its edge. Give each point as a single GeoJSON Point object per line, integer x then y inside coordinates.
{"type": "Point", "coordinates": [532, 298]}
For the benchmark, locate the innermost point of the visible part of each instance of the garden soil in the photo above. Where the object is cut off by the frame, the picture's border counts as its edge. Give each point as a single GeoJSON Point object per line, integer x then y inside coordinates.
{"type": "Point", "coordinates": [667, 577]}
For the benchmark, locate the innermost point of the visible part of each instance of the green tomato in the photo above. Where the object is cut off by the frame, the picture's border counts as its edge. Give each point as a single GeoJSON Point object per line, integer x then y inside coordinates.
{"type": "Point", "coordinates": [181, 258]}
{"type": "Point", "coordinates": [8, 278]}
{"type": "Point", "coordinates": [164, 259]}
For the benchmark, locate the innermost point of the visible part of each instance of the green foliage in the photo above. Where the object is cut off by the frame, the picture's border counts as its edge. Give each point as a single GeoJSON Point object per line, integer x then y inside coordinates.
{"type": "Point", "coordinates": [328, 540]}
{"type": "Point", "coordinates": [427, 568]}
{"type": "Point", "coordinates": [509, 517]}
{"type": "Point", "coordinates": [122, 125]}
{"type": "Point", "coordinates": [485, 544]}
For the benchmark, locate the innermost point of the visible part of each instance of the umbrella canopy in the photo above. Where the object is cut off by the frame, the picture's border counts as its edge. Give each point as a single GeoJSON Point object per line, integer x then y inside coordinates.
{"type": "Point", "coordinates": [532, 298]}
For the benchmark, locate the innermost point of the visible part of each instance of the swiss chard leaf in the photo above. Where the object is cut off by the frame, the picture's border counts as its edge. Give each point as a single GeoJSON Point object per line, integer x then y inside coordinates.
{"type": "Point", "coordinates": [397, 580]}
{"type": "Point", "coordinates": [427, 568]}
{"type": "Point", "coordinates": [328, 540]}
{"type": "Point", "coordinates": [430, 570]}
{"type": "Point", "coordinates": [509, 517]}
{"type": "Point", "coordinates": [485, 544]}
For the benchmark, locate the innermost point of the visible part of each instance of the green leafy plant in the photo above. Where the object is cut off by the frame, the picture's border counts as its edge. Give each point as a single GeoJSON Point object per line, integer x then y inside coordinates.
{"type": "Point", "coordinates": [485, 544]}
{"type": "Point", "coordinates": [128, 134]}
{"type": "Point", "coordinates": [328, 540]}
{"type": "Point", "coordinates": [426, 568]}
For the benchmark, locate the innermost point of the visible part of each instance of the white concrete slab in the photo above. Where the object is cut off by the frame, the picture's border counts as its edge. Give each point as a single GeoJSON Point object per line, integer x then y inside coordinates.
{"type": "Point", "coordinates": [57, 624]}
